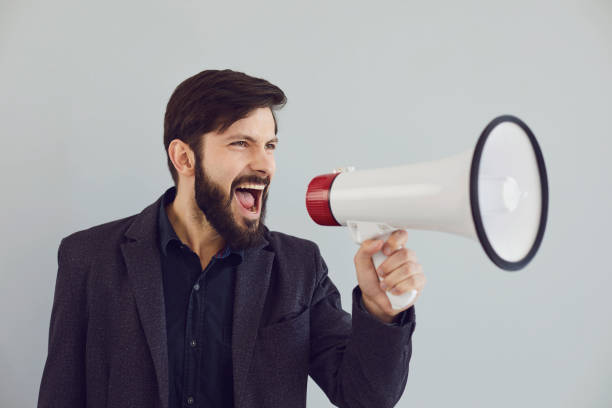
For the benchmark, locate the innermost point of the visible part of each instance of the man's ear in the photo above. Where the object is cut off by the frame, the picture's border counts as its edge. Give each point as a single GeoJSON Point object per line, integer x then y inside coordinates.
{"type": "Point", "coordinates": [182, 157]}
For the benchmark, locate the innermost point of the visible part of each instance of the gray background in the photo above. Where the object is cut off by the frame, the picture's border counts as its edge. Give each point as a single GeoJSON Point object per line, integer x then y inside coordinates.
{"type": "Point", "coordinates": [84, 87]}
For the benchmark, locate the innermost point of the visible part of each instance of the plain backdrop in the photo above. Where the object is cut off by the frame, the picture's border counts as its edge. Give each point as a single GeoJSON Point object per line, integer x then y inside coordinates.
{"type": "Point", "coordinates": [370, 84]}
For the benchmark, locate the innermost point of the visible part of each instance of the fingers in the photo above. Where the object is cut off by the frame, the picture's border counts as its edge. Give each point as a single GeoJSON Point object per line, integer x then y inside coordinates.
{"type": "Point", "coordinates": [392, 246]}
{"type": "Point", "coordinates": [416, 281]}
{"type": "Point", "coordinates": [406, 277]}
{"type": "Point", "coordinates": [398, 258]}
{"type": "Point", "coordinates": [396, 240]}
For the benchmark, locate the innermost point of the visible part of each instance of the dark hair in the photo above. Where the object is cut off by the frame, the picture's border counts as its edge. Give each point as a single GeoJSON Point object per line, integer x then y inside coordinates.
{"type": "Point", "coordinates": [211, 101]}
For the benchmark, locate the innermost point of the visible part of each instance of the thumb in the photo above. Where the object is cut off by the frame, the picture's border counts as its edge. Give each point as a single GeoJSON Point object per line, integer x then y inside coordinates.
{"type": "Point", "coordinates": [369, 248]}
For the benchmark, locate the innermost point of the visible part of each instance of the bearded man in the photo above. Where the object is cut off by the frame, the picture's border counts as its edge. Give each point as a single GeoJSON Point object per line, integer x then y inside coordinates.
{"type": "Point", "coordinates": [194, 302]}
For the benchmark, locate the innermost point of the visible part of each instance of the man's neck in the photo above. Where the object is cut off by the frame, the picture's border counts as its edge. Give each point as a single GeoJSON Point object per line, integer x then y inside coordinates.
{"type": "Point", "coordinates": [192, 227]}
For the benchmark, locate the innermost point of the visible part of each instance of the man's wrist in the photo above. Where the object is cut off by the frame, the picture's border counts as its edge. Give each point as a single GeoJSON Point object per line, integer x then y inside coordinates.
{"type": "Point", "coordinates": [372, 308]}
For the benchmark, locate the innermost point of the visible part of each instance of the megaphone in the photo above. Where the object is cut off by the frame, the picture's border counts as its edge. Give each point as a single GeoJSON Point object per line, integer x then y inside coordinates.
{"type": "Point", "coordinates": [496, 193]}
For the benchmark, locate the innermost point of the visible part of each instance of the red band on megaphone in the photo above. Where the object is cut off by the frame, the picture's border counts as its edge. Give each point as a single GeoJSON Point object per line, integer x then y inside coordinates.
{"type": "Point", "coordinates": [317, 199]}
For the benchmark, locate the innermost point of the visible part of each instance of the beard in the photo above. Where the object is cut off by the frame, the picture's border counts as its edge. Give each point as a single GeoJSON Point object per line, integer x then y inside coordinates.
{"type": "Point", "coordinates": [217, 207]}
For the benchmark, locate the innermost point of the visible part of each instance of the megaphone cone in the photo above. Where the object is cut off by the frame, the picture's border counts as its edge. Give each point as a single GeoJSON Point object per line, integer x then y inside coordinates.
{"type": "Point", "coordinates": [496, 193]}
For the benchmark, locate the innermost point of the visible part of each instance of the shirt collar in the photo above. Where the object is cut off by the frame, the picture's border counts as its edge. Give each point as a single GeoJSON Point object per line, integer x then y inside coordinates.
{"type": "Point", "coordinates": [166, 232]}
{"type": "Point", "coordinates": [168, 235]}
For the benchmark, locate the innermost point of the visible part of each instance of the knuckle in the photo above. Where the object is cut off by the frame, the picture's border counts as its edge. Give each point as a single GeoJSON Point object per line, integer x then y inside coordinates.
{"type": "Point", "coordinates": [406, 269]}
{"type": "Point", "coordinates": [388, 281]}
{"type": "Point", "coordinates": [400, 234]}
{"type": "Point", "coordinates": [423, 279]}
{"type": "Point", "coordinates": [418, 280]}
{"type": "Point", "coordinates": [401, 288]}
{"type": "Point", "coordinates": [393, 246]}
{"type": "Point", "coordinates": [408, 281]}
{"type": "Point", "coordinates": [394, 279]}
{"type": "Point", "coordinates": [411, 253]}
{"type": "Point", "coordinates": [397, 238]}
{"type": "Point", "coordinates": [404, 254]}
{"type": "Point", "coordinates": [382, 269]}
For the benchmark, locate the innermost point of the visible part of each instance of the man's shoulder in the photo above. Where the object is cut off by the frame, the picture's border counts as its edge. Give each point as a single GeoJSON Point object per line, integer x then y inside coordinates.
{"type": "Point", "coordinates": [103, 230]}
{"type": "Point", "coordinates": [113, 232]}
{"type": "Point", "coordinates": [86, 242]}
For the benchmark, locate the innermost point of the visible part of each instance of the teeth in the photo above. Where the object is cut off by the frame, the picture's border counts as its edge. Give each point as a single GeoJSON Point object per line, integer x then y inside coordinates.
{"type": "Point", "coordinates": [252, 186]}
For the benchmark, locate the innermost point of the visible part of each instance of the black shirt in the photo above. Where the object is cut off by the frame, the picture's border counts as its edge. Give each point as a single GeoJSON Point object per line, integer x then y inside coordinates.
{"type": "Point", "coordinates": [199, 306]}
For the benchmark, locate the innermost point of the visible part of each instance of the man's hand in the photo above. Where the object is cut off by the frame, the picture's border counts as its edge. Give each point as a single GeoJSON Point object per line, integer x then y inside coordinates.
{"type": "Point", "coordinates": [401, 273]}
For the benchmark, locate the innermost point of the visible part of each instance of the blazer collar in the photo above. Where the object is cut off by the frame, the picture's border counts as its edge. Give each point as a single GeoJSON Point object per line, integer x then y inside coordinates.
{"type": "Point", "coordinates": [143, 261]}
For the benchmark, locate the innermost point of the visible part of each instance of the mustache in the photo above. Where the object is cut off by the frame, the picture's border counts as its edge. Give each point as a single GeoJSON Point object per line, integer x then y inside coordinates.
{"type": "Point", "coordinates": [251, 179]}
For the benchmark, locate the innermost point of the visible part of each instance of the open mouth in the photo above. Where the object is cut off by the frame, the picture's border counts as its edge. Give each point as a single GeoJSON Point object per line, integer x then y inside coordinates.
{"type": "Point", "coordinates": [249, 197]}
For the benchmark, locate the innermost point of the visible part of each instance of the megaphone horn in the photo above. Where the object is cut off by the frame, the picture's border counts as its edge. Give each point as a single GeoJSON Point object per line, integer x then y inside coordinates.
{"type": "Point", "coordinates": [496, 193]}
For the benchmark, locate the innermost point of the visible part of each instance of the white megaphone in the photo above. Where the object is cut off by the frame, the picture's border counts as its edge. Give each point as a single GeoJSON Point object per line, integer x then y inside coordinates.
{"type": "Point", "coordinates": [496, 193]}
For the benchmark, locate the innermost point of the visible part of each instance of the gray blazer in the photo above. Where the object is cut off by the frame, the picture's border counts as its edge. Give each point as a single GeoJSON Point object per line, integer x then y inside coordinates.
{"type": "Point", "coordinates": [107, 337]}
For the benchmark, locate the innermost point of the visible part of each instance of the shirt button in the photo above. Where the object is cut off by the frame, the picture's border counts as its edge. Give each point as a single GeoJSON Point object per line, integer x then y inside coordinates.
{"type": "Point", "coordinates": [196, 286]}
{"type": "Point", "coordinates": [193, 343]}
{"type": "Point", "coordinates": [190, 401]}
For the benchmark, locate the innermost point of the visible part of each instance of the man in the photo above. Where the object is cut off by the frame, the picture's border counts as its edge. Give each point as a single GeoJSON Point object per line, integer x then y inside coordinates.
{"type": "Point", "coordinates": [195, 303]}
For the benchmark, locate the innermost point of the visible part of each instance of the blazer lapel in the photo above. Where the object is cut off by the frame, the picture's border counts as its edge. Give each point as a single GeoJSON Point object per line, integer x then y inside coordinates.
{"type": "Point", "coordinates": [143, 262]}
{"type": "Point", "coordinates": [252, 281]}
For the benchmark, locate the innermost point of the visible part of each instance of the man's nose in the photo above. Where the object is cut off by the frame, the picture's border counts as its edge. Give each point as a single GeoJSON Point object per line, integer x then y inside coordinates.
{"type": "Point", "coordinates": [263, 162]}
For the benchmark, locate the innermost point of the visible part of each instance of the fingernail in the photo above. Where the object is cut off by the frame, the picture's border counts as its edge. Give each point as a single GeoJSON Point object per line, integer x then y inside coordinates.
{"type": "Point", "coordinates": [379, 272]}
{"type": "Point", "coordinates": [386, 250]}
{"type": "Point", "coordinates": [383, 285]}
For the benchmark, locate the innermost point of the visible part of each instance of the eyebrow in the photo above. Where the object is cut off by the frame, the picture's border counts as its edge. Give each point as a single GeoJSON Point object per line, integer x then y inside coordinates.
{"type": "Point", "coordinates": [249, 138]}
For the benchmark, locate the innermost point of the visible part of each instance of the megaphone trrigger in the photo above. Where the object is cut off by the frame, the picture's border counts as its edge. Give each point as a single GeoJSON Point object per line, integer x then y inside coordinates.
{"type": "Point", "coordinates": [496, 193]}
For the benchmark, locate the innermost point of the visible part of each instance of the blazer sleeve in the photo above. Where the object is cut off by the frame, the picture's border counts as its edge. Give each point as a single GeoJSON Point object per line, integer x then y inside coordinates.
{"type": "Point", "coordinates": [358, 361]}
{"type": "Point", "coordinates": [63, 379]}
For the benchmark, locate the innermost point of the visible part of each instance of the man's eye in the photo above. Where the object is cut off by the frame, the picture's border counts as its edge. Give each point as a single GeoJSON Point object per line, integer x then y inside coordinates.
{"type": "Point", "coordinates": [241, 143]}
{"type": "Point", "coordinates": [271, 146]}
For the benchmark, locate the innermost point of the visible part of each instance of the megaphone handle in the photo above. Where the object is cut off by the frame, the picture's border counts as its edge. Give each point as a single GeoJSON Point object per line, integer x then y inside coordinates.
{"type": "Point", "coordinates": [362, 230]}
{"type": "Point", "coordinates": [397, 301]}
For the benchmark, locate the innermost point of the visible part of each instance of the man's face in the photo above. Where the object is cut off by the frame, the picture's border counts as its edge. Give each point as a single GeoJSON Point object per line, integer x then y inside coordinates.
{"type": "Point", "coordinates": [233, 176]}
